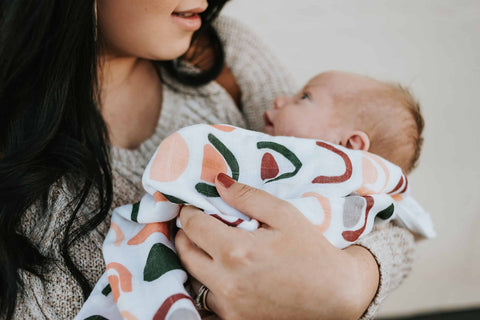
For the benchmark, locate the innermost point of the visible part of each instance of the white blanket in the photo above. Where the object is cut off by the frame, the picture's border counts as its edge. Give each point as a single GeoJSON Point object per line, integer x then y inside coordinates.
{"type": "Point", "coordinates": [343, 192]}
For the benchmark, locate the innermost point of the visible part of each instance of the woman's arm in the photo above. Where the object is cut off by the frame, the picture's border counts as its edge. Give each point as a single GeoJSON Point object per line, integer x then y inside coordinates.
{"type": "Point", "coordinates": [283, 270]}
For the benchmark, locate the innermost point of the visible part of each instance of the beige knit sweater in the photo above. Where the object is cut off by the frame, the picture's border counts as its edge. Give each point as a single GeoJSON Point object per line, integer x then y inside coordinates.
{"type": "Point", "coordinates": [261, 79]}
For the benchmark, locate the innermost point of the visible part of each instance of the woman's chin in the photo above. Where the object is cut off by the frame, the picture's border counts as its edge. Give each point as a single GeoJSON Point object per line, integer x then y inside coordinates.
{"type": "Point", "coordinates": [172, 51]}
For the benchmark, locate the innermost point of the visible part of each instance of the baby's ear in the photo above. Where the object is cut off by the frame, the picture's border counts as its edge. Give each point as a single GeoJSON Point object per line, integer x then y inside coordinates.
{"type": "Point", "coordinates": [357, 140]}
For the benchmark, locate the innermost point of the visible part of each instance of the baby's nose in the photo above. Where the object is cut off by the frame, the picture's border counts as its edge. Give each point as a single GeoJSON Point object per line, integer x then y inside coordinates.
{"type": "Point", "coordinates": [280, 102]}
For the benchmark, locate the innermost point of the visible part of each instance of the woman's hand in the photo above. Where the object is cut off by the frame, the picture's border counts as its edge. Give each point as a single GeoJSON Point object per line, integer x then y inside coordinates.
{"type": "Point", "coordinates": [284, 270]}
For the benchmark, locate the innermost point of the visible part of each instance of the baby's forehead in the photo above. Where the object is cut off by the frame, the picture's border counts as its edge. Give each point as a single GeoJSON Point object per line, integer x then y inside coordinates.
{"type": "Point", "coordinates": [339, 82]}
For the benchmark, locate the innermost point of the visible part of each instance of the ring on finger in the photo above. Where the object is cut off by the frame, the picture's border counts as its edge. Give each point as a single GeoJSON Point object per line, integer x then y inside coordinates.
{"type": "Point", "coordinates": [201, 299]}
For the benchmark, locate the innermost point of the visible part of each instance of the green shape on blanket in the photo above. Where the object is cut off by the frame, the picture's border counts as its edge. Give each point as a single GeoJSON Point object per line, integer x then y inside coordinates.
{"type": "Point", "coordinates": [106, 291]}
{"type": "Point", "coordinates": [286, 153]}
{"type": "Point", "coordinates": [96, 317]}
{"type": "Point", "coordinates": [161, 259]}
{"type": "Point", "coordinates": [386, 213]}
{"type": "Point", "coordinates": [134, 215]}
{"type": "Point", "coordinates": [173, 199]}
{"type": "Point", "coordinates": [227, 155]}
{"type": "Point", "coordinates": [207, 189]}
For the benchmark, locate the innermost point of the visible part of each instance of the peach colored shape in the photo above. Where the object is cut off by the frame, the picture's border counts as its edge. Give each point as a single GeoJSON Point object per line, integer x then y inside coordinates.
{"type": "Point", "coordinates": [397, 197]}
{"type": "Point", "coordinates": [212, 164]}
{"type": "Point", "coordinates": [148, 230]}
{"type": "Point", "coordinates": [127, 315]}
{"type": "Point", "coordinates": [124, 274]}
{"type": "Point", "coordinates": [171, 159]}
{"type": "Point", "coordinates": [222, 127]}
{"type": "Point", "coordinates": [118, 234]}
{"type": "Point", "coordinates": [382, 164]}
{"type": "Point", "coordinates": [113, 280]}
{"type": "Point", "coordinates": [327, 209]}
{"type": "Point", "coordinates": [159, 197]}
{"type": "Point", "coordinates": [369, 175]}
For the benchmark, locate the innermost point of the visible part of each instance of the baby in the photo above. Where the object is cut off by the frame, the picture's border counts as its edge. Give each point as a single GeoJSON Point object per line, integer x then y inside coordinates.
{"type": "Point", "coordinates": [338, 186]}
{"type": "Point", "coordinates": [354, 111]}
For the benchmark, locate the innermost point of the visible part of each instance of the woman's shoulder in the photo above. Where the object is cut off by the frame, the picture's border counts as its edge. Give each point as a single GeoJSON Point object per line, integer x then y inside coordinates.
{"type": "Point", "coordinates": [228, 25]}
{"type": "Point", "coordinates": [237, 36]}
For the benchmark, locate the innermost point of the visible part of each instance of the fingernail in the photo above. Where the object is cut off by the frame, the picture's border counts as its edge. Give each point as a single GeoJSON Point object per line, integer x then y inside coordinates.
{"type": "Point", "coordinates": [225, 180]}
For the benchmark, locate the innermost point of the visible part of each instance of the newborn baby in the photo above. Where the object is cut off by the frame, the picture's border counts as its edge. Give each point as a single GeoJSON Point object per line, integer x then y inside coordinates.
{"type": "Point", "coordinates": [354, 111]}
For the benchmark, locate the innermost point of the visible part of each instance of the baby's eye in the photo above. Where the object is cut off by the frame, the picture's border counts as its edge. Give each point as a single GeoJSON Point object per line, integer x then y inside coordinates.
{"type": "Point", "coordinates": [304, 96]}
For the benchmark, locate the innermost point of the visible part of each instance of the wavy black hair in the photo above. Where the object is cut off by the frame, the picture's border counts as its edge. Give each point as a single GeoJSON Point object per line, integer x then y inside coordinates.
{"type": "Point", "coordinates": [51, 126]}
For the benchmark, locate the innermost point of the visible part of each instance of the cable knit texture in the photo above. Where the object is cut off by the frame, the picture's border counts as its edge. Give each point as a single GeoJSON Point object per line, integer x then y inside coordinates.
{"type": "Point", "coordinates": [261, 79]}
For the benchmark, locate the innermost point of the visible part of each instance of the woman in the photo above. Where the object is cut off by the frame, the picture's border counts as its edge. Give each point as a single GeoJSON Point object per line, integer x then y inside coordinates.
{"type": "Point", "coordinates": [85, 101]}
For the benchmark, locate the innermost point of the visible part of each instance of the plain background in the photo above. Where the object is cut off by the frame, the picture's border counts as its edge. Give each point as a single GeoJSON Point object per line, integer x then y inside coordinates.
{"type": "Point", "coordinates": [432, 46]}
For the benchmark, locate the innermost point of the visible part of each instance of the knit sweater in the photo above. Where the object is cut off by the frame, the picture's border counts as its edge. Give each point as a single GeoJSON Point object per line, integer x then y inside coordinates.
{"type": "Point", "coordinates": [260, 78]}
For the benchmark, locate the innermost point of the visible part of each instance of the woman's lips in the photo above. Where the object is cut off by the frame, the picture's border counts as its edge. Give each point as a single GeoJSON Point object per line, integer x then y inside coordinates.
{"type": "Point", "coordinates": [188, 20]}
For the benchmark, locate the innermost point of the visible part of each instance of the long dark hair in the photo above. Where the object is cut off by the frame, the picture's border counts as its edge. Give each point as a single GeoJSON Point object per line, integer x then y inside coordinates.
{"type": "Point", "coordinates": [51, 127]}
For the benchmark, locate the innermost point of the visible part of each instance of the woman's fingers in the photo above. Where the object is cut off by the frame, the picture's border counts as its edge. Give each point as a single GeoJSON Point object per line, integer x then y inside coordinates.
{"type": "Point", "coordinates": [255, 203]}
{"type": "Point", "coordinates": [192, 256]}
{"type": "Point", "coordinates": [205, 230]}
{"type": "Point", "coordinates": [199, 264]}
{"type": "Point", "coordinates": [210, 297]}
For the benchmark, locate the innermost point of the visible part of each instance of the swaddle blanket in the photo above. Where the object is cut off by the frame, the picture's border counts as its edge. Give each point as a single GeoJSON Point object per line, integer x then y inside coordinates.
{"type": "Point", "coordinates": [343, 192]}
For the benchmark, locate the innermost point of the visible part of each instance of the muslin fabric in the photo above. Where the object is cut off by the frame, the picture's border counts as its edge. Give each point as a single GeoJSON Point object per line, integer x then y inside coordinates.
{"type": "Point", "coordinates": [343, 192]}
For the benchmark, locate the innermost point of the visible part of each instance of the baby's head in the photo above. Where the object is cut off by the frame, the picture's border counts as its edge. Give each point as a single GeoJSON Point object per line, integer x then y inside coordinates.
{"type": "Point", "coordinates": [355, 111]}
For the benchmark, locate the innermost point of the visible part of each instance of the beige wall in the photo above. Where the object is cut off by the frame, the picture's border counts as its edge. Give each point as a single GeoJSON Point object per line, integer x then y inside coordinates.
{"type": "Point", "coordinates": [434, 47]}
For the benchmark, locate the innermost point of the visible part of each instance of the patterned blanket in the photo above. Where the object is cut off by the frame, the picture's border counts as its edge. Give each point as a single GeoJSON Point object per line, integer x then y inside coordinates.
{"type": "Point", "coordinates": [343, 192]}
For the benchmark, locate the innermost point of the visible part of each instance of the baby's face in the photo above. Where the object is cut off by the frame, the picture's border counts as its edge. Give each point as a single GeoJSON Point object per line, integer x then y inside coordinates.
{"type": "Point", "coordinates": [312, 112]}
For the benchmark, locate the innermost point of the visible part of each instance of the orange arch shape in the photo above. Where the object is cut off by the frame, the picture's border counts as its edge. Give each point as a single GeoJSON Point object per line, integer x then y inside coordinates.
{"type": "Point", "coordinates": [148, 230]}
{"type": "Point", "coordinates": [114, 284]}
{"type": "Point", "coordinates": [124, 274]}
{"type": "Point", "coordinates": [327, 209]}
{"type": "Point", "coordinates": [118, 233]}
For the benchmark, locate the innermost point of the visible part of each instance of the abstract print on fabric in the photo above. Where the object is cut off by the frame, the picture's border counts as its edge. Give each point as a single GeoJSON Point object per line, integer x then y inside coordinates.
{"type": "Point", "coordinates": [341, 191]}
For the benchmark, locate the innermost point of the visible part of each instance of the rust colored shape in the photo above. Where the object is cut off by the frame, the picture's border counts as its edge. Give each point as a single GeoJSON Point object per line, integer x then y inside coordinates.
{"type": "Point", "coordinates": [354, 235]}
{"type": "Point", "coordinates": [228, 223]}
{"type": "Point", "coordinates": [399, 184]}
{"type": "Point", "coordinates": [406, 186]}
{"type": "Point", "coordinates": [269, 167]}
{"type": "Point", "coordinates": [348, 166]}
{"type": "Point", "coordinates": [167, 304]}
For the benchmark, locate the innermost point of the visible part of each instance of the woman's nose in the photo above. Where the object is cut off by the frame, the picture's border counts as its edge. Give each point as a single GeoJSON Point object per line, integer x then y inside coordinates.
{"type": "Point", "coordinates": [280, 102]}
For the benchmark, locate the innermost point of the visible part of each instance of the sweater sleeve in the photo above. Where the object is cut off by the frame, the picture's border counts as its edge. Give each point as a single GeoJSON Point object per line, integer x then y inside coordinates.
{"type": "Point", "coordinates": [394, 250]}
{"type": "Point", "coordinates": [258, 72]}
{"type": "Point", "coordinates": [58, 295]}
